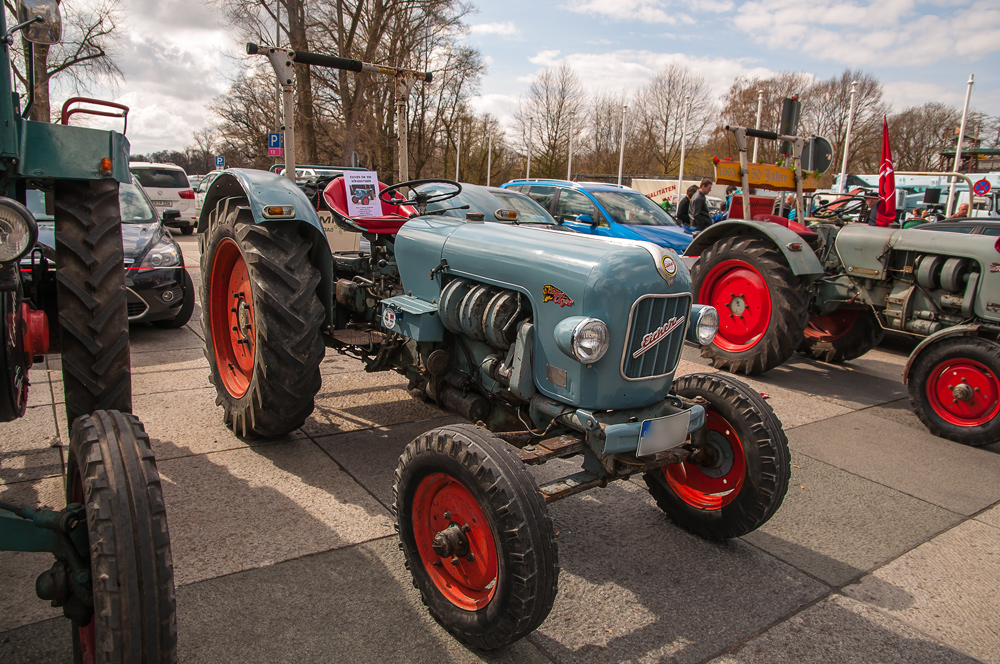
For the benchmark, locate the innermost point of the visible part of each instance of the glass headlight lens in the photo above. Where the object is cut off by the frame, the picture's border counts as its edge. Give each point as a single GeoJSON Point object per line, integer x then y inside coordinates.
{"type": "Point", "coordinates": [17, 230]}
{"type": "Point", "coordinates": [590, 340]}
{"type": "Point", "coordinates": [708, 325]}
{"type": "Point", "coordinates": [163, 254]}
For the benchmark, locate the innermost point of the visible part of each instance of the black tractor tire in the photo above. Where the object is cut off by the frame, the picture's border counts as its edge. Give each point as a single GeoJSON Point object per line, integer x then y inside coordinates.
{"type": "Point", "coordinates": [112, 473]}
{"type": "Point", "coordinates": [954, 388]}
{"type": "Point", "coordinates": [265, 357]}
{"type": "Point", "coordinates": [461, 477]}
{"type": "Point", "coordinates": [187, 304]}
{"type": "Point", "coordinates": [762, 309]}
{"type": "Point", "coordinates": [747, 484]}
{"type": "Point", "coordinates": [90, 289]}
{"type": "Point", "coordinates": [14, 363]}
{"type": "Point", "coordinates": [843, 336]}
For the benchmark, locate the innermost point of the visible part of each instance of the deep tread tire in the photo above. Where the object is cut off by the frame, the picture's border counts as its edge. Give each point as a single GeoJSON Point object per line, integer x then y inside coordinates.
{"type": "Point", "coordinates": [287, 314]}
{"type": "Point", "coordinates": [788, 313]}
{"type": "Point", "coordinates": [90, 289]}
{"type": "Point", "coordinates": [527, 557]}
{"type": "Point", "coordinates": [112, 472]}
{"type": "Point", "coordinates": [187, 304]}
{"type": "Point", "coordinates": [921, 384]}
{"type": "Point", "coordinates": [14, 363]}
{"type": "Point", "coordinates": [764, 450]}
{"type": "Point", "coordinates": [863, 335]}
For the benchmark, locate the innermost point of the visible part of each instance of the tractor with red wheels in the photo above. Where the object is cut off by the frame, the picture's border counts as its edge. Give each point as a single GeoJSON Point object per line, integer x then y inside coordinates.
{"type": "Point", "coordinates": [831, 288]}
{"type": "Point", "coordinates": [552, 344]}
{"type": "Point", "coordinates": [112, 573]}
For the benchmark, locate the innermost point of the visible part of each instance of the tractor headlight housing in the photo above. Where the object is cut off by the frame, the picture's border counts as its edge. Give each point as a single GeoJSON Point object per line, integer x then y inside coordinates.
{"type": "Point", "coordinates": [586, 340]}
{"type": "Point", "coordinates": [18, 230]}
{"type": "Point", "coordinates": [706, 324]}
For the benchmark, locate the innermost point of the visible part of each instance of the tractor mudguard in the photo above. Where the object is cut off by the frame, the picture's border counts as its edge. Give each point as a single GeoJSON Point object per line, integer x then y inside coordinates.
{"type": "Point", "coordinates": [956, 331]}
{"type": "Point", "coordinates": [803, 262]}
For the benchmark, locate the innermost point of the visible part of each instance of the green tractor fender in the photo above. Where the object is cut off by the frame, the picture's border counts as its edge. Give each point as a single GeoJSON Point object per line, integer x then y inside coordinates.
{"type": "Point", "coordinates": [955, 331]}
{"type": "Point", "coordinates": [802, 261]}
{"type": "Point", "coordinates": [259, 190]}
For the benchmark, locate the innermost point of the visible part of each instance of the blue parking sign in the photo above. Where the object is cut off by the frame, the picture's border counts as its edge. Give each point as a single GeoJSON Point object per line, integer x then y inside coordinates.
{"type": "Point", "coordinates": [275, 139]}
{"type": "Point", "coordinates": [220, 161]}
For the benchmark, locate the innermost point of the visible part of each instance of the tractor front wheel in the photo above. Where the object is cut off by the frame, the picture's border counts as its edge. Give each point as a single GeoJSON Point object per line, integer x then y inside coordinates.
{"type": "Point", "coordinates": [844, 335]}
{"type": "Point", "coordinates": [745, 480]}
{"type": "Point", "coordinates": [476, 535]}
{"type": "Point", "coordinates": [762, 311]}
{"type": "Point", "coordinates": [954, 389]}
{"type": "Point", "coordinates": [112, 473]}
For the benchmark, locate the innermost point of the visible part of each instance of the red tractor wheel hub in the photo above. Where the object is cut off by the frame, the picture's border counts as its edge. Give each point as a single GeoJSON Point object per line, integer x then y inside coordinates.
{"type": "Point", "coordinates": [739, 293]}
{"type": "Point", "coordinates": [964, 392]}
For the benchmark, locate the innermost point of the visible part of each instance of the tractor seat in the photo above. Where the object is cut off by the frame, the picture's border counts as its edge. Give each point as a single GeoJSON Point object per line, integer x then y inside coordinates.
{"type": "Point", "coordinates": [388, 223]}
{"type": "Point", "coordinates": [791, 225]}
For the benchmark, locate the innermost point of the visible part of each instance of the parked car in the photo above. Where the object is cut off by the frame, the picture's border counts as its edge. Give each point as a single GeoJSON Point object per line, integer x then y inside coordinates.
{"type": "Point", "coordinates": [158, 288]}
{"type": "Point", "coordinates": [493, 202]}
{"type": "Point", "coordinates": [972, 226]}
{"type": "Point", "coordinates": [204, 183]}
{"type": "Point", "coordinates": [167, 186]}
{"type": "Point", "coordinates": [605, 209]}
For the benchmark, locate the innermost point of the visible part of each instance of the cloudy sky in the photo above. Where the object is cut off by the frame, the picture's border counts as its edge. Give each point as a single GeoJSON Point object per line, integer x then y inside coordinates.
{"type": "Point", "coordinates": [177, 55]}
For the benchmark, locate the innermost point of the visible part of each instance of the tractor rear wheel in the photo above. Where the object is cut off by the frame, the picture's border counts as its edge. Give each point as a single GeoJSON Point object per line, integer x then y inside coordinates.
{"type": "Point", "coordinates": [475, 535]}
{"type": "Point", "coordinates": [261, 316]}
{"type": "Point", "coordinates": [112, 473]}
{"type": "Point", "coordinates": [90, 289]}
{"type": "Point", "coordinates": [954, 388]}
{"type": "Point", "coordinates": [747, 479]}
{"type": "Point", "coordinates": [762, 310]}
{"type": "Point", "coordinates": [844, 335]}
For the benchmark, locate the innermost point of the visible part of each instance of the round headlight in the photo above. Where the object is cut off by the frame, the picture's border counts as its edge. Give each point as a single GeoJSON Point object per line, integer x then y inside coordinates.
{"type": "Point", "coordinates": [590, 340]}
{"type": "Point", "coordinates": [708, 325]}
{"type": "Point", "coordinates": [17, 230]}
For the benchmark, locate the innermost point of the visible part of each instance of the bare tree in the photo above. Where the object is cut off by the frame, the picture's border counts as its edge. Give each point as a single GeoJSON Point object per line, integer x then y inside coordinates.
{"type": "Point", "coordinates": [245, 113]}
{"type": "Point", "coordinates": [919, 133]}
{"type": "Point", "coordinates": [660, 106]}
{"type": "Point", "coordinates": [739, 108]}
{"type": "Point", "coordinates": [825, 111]}
{"type": "Point", "coordinates": [552, 97]}
{"type": "Point", "coordinates": [602, 139]}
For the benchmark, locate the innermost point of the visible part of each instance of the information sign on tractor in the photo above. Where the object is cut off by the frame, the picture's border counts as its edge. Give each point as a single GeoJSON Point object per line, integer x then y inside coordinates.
{"type": "Point", "coordinates": [275, 144]}
{"type": "Point", "coordinates": [981, 188]}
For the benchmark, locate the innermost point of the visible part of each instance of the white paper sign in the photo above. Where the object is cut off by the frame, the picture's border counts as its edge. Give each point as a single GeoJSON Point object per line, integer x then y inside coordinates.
{"type": "Point", "coordinates": [362, 193]}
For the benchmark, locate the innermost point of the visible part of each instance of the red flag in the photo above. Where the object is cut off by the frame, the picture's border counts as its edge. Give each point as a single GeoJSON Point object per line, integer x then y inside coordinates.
{"type": "Point", "coordinates": [886, 182]}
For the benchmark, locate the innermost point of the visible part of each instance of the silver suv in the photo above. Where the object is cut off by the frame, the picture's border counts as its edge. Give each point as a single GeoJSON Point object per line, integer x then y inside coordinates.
{"type": "Point", "coordinates": [167, 187]}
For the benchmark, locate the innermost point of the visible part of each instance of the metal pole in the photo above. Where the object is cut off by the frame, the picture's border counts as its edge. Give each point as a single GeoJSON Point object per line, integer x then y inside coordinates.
{"type": "Point", "coordinates": [458, 152]}
{"type": "Point", "coordinates": [958, 152]}
{"type": "Point", "coordinates": [527, 174]}
{"type": "Point", "coordinates": [277, 42]}
{"type": "Point", "coordinates": [760, 107]}
{"type": "Point", "coordinates": [489, 159]}
{"type": "Point", "coordinates": [621, 149]}
{"type": "Point", "coordinates": [680, 172]}
{"type": "Point", "coordinates": [569, 165]}
{"type": "Point", "coordinates": [287, 93]}
{"type": "Point", "coordinates": [847, 139]}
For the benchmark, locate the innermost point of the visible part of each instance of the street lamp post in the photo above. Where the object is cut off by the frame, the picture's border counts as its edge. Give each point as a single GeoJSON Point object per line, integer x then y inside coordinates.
{"type": "Point", "coordinates": [458, 153]}
{"type": "Point", "coordinates": [569, 165]}
{"type": "Point", "coordinates": [621, 151]}
{"type": "Point", "coordinates": [847, 139]}
{"type": "Point", "coordinates": [527, 174]}
{"type": "Point", "coordinates": [489, 159]}
{"type": "Point", "coordinates": [760, 107]}
{"type": "Point", "coordinates": [958, 151]}
{"type": "Point", "coordinates": [680, 172]}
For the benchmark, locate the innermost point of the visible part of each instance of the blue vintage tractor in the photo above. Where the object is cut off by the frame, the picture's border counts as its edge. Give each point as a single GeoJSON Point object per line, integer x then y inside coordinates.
{"type": "Point", "coordinates": [552, 344]}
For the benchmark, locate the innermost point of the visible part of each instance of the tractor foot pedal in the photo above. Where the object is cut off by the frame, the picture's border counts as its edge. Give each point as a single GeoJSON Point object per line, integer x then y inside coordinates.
{"type": "Point", "coordinates": [560, 446]}
{"type": "Point", "coordinates": [358, 337]}
{"type": "Point", "coordinates": [571, 484]}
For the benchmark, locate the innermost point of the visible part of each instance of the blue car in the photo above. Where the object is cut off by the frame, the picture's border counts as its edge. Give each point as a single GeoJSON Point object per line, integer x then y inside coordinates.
{"type": "Point", "coordinates": [609, 210]}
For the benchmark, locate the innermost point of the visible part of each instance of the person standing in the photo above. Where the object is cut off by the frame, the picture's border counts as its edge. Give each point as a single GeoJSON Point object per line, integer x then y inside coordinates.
{"type": "Point", "coordinates": [684, 205]}
{"type": "Point", "coordinates": [700, 216]}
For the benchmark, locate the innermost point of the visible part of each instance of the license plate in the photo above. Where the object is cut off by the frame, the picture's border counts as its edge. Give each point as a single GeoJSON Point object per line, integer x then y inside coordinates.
{"type": "Point", "coordinates": [163, 203]}
{"type": "Point", "coordinates": [663, 433]}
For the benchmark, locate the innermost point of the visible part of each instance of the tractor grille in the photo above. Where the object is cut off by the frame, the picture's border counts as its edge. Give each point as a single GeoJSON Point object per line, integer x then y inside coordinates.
{"type": "Point", "coordinates": [665, 319]}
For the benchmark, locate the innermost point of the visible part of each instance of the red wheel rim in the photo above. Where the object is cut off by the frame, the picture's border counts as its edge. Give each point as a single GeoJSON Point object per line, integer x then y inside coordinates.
{"type": "Point", "coordinates": [85, 635]}
{"type": "Point", "coordinates": [964, 392]}
{"type": "Point", "coordinates": [468, 581]}
{"type": "Point", "coordinates": [711, 488]}
{"type": "Point", "coordinates": [832, 327]}
{"type": "Point", "coordinates": [739, 293]}
{"type": "Point", "coordinates": [232, 318]}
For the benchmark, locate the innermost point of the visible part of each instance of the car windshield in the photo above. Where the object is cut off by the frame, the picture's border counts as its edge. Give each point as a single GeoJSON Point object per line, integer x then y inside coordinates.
{"type": "Point", "coordinates": [167, 178]}
{"type": "Point", "coordinates": [529, 212]}
{"type": "Point", "coordinates": [633, 209]}
{"type": "Point", "coordinates": [134, 205]}
{"type": "Point", "coordinates": [487, 202]}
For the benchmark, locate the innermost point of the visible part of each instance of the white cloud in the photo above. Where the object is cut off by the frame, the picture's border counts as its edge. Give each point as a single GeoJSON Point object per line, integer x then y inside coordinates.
{"type": "Point", "coordinates": [507, 29]}
{"type": "Point", "coordinates": [648, 11]}
{"type": "Point", "coordinates": [544, 58]}
{"type": "Point", "coordinates": [500, 106]}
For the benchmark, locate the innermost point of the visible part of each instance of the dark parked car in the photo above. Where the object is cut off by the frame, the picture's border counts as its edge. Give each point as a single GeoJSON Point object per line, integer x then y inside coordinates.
{"type": "Point", "coordinates": [970, 225]}
{"type": "Point", "coordinates": [159, 289]}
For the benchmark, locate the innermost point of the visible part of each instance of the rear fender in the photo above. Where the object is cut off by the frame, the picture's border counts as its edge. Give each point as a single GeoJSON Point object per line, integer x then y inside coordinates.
{"type": "Point", "coordinates": [803, 262]}
{"type": "Point", "coordinates": [956, 331]}
{"type": "Point", "coordinates": [256, 189]}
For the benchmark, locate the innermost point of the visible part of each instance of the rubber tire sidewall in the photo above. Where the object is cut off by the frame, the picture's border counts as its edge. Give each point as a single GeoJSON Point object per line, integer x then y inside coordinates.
{"type": "Point", "coordinates": [865, 334]}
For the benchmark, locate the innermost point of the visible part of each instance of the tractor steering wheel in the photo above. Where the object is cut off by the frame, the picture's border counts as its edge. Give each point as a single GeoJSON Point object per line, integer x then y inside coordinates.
{"type": "Point", "coordinates": [842, 208]}
{"type": "Point", "coordinates": [419, 199]}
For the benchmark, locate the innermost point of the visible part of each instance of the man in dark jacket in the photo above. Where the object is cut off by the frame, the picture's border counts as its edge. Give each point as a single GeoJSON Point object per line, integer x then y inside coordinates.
{"type": "Point", "coordinates": [700, 216]}
{"type": "Point", "coordinates": [683, 212]}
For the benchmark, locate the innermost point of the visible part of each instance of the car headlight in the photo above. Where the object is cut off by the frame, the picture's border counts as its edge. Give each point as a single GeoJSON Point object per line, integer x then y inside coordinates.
{"type": "Point", "coordinates": [18, 230]}
{"type": "Point", "coordinates": [586, 340]}
{"type": "Point", "coordinates": [164, 253]}
{"type": "Point", "coordinates": [706, 324]}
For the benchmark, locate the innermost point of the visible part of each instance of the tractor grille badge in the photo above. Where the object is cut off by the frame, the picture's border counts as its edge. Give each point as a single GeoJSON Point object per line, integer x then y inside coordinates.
{"type": "Point", "coordinates": [658, 335]}
{"type": "Point", "coordinates": [553, 294]}
{"type": "Point", "coordinates": [669, 266]}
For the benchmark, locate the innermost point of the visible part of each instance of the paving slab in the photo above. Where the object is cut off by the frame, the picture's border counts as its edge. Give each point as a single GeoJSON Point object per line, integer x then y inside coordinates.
{"type": "Point", "coordinates": [46, 642]}
{"type": "Point", "coordinates": [158, 361]}
{"type": "Point", "coordinates": [957, 477]}
{"type": "Point", "coordinates": [371, 455]}
{"type": "Point", "coordinates": [946, 588]}
{"type": "Point", "coordinates": [143, 338]}
{"type": "Point", "coordinates": [269, 615]}
{"type": "Point", "coordinates": [990, 516]}
{"type": "Point", "coordinates": [30, 465]}
{"type": "Point", "coordinates": [246, 508]}
{"type": "Point", "coordinates": [634, 587]}
{"type": "Point", "coordinates": [164, 382]}
{"type": "Point", "coordinates": [18, 571]}
{"type": "Point", "coordinates": [837, 526]}
{"type": "Point", "coordinates": [37, 430]}
{"type": "Point", "coordinates": [839, 630]}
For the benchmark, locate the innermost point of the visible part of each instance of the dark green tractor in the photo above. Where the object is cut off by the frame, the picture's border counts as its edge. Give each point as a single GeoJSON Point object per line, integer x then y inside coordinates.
{"type": "Point", "coordinates": [112, 573]}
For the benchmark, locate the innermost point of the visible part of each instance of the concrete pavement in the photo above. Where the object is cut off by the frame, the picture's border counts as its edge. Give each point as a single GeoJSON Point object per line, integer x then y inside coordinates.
{"type": "Point", "coordinates": [886, 549]}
